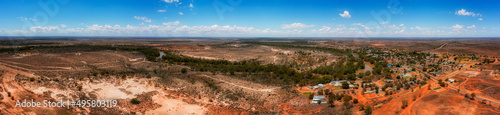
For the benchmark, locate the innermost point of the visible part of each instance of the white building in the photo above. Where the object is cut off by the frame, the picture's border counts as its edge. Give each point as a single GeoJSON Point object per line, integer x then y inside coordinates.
{"type": "Point", "coordinates": [320, 99]}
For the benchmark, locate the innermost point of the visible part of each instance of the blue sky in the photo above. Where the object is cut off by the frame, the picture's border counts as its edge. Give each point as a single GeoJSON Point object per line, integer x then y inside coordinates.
{"type": "Point", "coordinates": [251, 18]}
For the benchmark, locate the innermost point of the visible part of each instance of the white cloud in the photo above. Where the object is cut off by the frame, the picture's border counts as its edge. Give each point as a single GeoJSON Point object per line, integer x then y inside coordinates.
{"type": "Point", "coordinates": [295, 26]}
{"type": "Point", "coordinates": [480, 19]}
{"type": "Point", "coordinates": [364, 26]}
{"type": "Point", "coordinates": [463, 12]}
{"type": "Point", "coordinates": [401, 25]}
{"type": "Point", "coordinates": [24, 18]}
{"type": "Point", "coordinates": [358, 24]}
{"type": "Point", "coordinates": [63, 25]}
{"type": "Point", "coordinates": [191, 5]}
{"type": "Point", "coordinates": [180, 13]}
{"type": "Point", "coordinates": [162, 10]}
{"type": "Point", "coordinates": [384, 22]}
{"type": "Point", "coordinates": [172, 29]}
{"type": "Point", "coordinates": [421, 28]}
{"type": "Point", "coordinates": [171, 1]}
{"type": "Point", "coordinates": [471, 27]}
{"type": "Point", "coordinates": [457, 27]}
{"type": "Point", "coordinates": [150, 30]}
{"type": "Point", "coordinates": [144, 18]}
{"type": "Point", "coordinates": [44, 29]}
{"type": "Point", "coordinates": [393, 27]}
{"type": "Point", "coordinates": [345, 14]}
{"type": "Point", "coordinates": [172, 23]}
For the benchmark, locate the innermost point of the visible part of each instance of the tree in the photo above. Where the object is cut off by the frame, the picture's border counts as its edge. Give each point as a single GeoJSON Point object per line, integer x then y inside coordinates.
{"type": "Point", "coordinates": [345, 85]}
{"type": "Point", "coordinates": [320, 92]}
{"type": "Point", "coordinates": [331, 100]}
{"type": "Point", "coordinates": [184, 70]}
{"type": "Point", "coordinates": [311, 96]}
{"type": "Point", "coordinates": [355, 101]}
{"type": "Point", "coordinates": [327, 91]}
{"type": "Point", "coordinates": [135, 101]}
{"type": "Point", "coordinates": [404, 104]}
{"type": "Point", "coordinates": [231, 72]}
{"type": "Point", "coordinates": [368, 110]}
{"type": "Point", "coordinates": [441, 83]}
{"type": "Point", "coordinates": [361, 75]}
{"type": "Point", "coordinates": [361, 107]}
{"type": "Point", "coordinates": [346, 98]}
{"type": "Point", "coordinates": [472, 95]}
{"type": "Point", "coordinates": [367, 73]}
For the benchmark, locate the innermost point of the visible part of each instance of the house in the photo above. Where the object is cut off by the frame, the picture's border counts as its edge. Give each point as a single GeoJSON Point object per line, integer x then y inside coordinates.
{"type": "Point", "coordinates": [406, 75]}
{"type": "Point", "coordinates": [319, 99]}
{"type": "Point", "coordinates": [352, 85]}
{"type": "Point", "coordinates": [337, 83]}
{"type": "Point", "coordinates": [368, 92]}
{"type": "Point", "coordinates": [367, 84]}
{"type": "Point", "coordinates": [388, 80]}
{"type": "Point", "coordinates": [451, 80]}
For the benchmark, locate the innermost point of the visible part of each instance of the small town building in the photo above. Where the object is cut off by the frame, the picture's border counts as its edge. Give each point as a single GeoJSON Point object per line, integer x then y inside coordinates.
{"type": "Point", "coordinates": [337, 83]}
{"type": "Point", "coordinates": [319, 99]}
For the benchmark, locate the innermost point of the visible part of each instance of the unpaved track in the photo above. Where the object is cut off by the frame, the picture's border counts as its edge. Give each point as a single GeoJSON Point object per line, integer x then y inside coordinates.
{"type": "Point", "coordinates": [441, 46]}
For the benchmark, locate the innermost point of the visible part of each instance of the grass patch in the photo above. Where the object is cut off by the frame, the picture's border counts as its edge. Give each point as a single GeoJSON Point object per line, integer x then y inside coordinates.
{"type": "Point", "coordinates": [306, 93]}
{"type": "Point", "coordinates": [437, 88]}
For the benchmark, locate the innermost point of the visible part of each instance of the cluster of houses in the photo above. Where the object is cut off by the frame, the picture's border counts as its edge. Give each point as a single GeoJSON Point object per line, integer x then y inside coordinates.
{"type": "Point", "coordinates": [402, 69]}
{"type": "Point", "coordinates": [320, 99]}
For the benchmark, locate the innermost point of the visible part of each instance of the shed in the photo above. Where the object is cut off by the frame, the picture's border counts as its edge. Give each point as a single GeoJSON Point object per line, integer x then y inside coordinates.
{"type": "Point", "coordinates": [320, 99]}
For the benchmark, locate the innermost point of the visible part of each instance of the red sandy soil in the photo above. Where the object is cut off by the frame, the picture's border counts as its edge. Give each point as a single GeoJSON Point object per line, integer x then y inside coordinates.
{"type": "Point", "coordinates": [369, 96]}
{"type": "Point", "coordinates": [444, 102]}
{"type": "Point", "coordinates": [394, 106]}
{"type": "Point", "coordinates": [216, 110]}
{"type": "Point", "coordinates": [300, 105]}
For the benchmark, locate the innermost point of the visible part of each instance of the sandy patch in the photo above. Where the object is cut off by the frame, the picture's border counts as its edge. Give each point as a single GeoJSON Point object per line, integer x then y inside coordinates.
{"type": "Point", "coordinates": [126, 90]}
{"type": "Point", "coordinates": [174, 107]}
{"type": "Point", "coordinates": [57, 94]}
{"type": "Point", "coordinates": [135, 59]}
